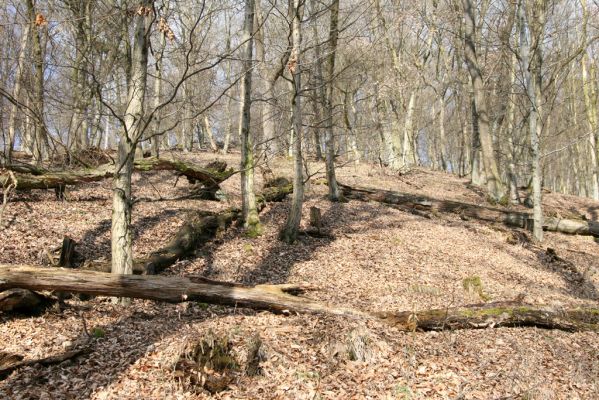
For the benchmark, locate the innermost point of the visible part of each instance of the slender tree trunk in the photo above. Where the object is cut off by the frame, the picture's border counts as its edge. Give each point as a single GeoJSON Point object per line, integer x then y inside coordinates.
{"type": "Point", "coordinates": [122, 251]}
{"type": "Point", "coordinates": [229, 104]}
{"type": "Point", "coordinates": [347, 106]}
{"type": "Point", "coordinates": [208, 132]}
{"type": "Point", "coordinates": [391, 138]}
{"type": "Point", "coordinates": [590, 102]}
{"type": "Point", "coordinates": [334, 194]}
{"type": "Point", "coordinates": [157, 96]}
{"type": "Point", "coordinates": [531, 65]}
{"type": "Point", "coordinates": [408, 151]}
{"type": "Point", "coordinates": [39, 141]}
{"type": "Point", "coordinates": [442, 137]}
{"type": "Point", "coordinates": [291, 229]}
{"type": "Point", "coordinates": [12, 118]}
{"type": "Point", "coordinates": [250, 217]}
{"type": "Point", "coordinates": [481, 114]}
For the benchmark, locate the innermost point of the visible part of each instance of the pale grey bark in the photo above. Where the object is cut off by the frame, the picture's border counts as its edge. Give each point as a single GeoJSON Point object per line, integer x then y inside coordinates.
{"type": "Point", "coordinates": [12, 117]}
{"type": "Point", "coordinates": [291, 229]}
{"type": "Point", "coordinates": [208, 132]}
{"type": "Point", "coordinates": [334, 194]}
{"type": "Point", "coordinates": [249, 211]}
{"type": "Point", "coordinates": [158, 96]}
{"type": "Point", "coordinates": [480, 113]}
{"type": "Point", "coordinates": [122, 252]}
{"type": "Point", "coordinates": [39, 137]}
{"type": "Point", "coordinates": [531, 67]}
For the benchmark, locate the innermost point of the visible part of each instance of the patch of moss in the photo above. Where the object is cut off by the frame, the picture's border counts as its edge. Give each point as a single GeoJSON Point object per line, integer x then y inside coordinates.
{"type": "Point", "coordinates": [98, 333]}
{"type": "Point", "coordinates": [254, 230]}
{"type": "Point", "coordinates": [473, 284]}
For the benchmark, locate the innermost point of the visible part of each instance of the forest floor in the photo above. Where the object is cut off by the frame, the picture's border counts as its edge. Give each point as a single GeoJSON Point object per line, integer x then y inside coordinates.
{"type": "Point", "coordinates": [379, 259]}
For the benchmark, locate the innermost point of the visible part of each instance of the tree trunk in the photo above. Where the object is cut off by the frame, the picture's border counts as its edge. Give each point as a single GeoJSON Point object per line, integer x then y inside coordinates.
{"type": "Point", "coordinates": [481, 114]}
{"type": "Point", "coordinates": [251, 222]}
{"type": "Point", "coordinates": [347, 106]}
{"type": "Point", "coordinates": [39, 138]}
{"type": "Point", "coordinates": [408, 148]}
{"type": "Point", "coordinates": [157, 96]}
{"type": "Point", "coordinates": [291, 228]}
{"type": "Point", "coordinates": [12, 118]}
{"type": "Point", "coordinates": [122, 252]}
{"type": "Point", "coordinates": [208, 131]}
{"type": "Point", "coordinates": [531, 65]}
{"type": "Point", "coordinates": [334, 194]}
{"type": "Point", "coordinates": [275, 298]}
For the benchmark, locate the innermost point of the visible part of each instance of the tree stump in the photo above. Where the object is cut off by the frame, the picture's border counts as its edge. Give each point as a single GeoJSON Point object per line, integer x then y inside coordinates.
{"type": "Point", "coordinates": [316, 218]}
{"type": "Point", "coordinates": [67, 253]}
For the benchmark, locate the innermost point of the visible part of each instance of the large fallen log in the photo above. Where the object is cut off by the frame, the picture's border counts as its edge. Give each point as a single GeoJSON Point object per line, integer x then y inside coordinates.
{"type": "Point", "coordinates": [466, 210]}
{"type": "Point", "coordinates": [35, 178]}
{"type": "Point", "coordinates": [199, 228]}
{"type": "Point", "coordinates": [271, 298]}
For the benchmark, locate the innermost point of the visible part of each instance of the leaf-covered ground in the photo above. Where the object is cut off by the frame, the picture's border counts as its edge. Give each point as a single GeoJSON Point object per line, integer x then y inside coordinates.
{"type": "Point", "coordinates": [378, 258]}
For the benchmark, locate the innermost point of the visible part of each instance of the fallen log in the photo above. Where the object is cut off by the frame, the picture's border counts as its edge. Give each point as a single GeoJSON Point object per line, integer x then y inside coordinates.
{"type": "Point", "coordinates": [199, 228]}
{"type": "Point", "coordinates": [210, 176]}
{"type": "Point", "coordinates": [465, 210]}
{"type": "Point", "coordinates": [180, 289]}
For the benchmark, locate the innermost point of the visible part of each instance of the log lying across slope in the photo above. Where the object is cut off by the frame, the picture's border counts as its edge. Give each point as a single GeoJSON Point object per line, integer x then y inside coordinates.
{"type": "Point", "coordinates": [510, 218]}
{"type": "Point", "coordinates": [274, 299]}
{"type": "Point", "coordinates": [34, 178]}
{"type": "Point", "coordinates": [199, 228]}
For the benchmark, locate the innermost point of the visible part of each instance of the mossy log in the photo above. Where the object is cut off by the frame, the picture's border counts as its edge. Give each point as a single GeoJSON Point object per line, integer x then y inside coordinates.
{"type": "Point", "coordinates": [410, 202]}
{"type": "Point", "coordinates": [199, 228]}
{"type": "Point", "coordinates": [270, 298]}
{"type": "Point", "coordinates": [493, 315]}
{"type": "Point", "coordinates": [210, 176]}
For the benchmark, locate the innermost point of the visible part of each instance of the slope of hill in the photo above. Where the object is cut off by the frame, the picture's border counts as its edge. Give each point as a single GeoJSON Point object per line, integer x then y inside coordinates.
{"type": "Point", "coordinates": [376, 258]}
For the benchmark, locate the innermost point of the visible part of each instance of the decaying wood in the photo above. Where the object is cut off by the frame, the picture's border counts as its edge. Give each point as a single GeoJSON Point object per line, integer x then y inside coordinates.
{"type": "Point", "coordinates": [181, 289]}
{"type": "Point", "coordinates": [67, 253]}
{"type": "Point", "coordinates": [315, 217]}
{"type": "Point", "coordinates": [199, 228]}
{"type": "Point", "coordinates": [466, 210]}
{"type": "Point", "coordinates": [17, 361]}
{"type": "Point", "coordinates": [23, 300]}
{"type": "Point", "coordinates": [43, 179]}
{"type": "Point", "coordinates": [498, 314]}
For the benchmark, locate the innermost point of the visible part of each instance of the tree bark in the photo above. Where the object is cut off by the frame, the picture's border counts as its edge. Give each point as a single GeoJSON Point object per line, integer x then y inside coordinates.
{"type": "Point", "coordinates": [481, 114]}
{"type": "Point", "coordinates": [334, 194]}
{"type": "Point", "coordinates": [12, 118]}
{"type": "Point", "coordinates": [39, 137]}
{"type": "Point", "coordinates": [418, 204]}
{"type": "Point", "coordinates": [122, 202]}
{"type": "Point", "coordinates": [157, 96]}
{"type": "Point", "coordinates": [251, 221]}
{"type": "Point", "coordinates": [291, 228]}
